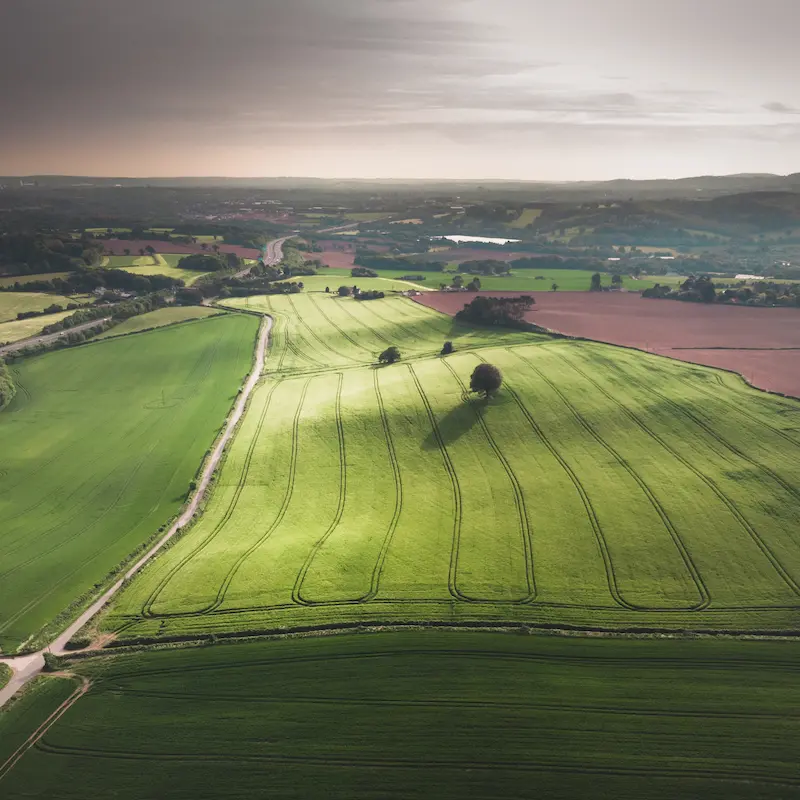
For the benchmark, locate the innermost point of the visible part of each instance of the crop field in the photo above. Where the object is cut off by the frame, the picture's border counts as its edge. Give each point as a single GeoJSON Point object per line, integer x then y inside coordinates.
{"type": "Point", "coordinates": [599, 488]}
{"type": "Point", "coordinates": [158, 264]}
{"type": "Point", "coordinates": [428, 714]}
{"type": "Point", "coordinates": [158, 319]}
{"type": "Point", "coordinates": [541, 280]}
{"type": "Point", "coordinates": [317, 283]}
{"type": "Point", "coordinates": [13, 303]}
{"type": "Point", "coordinates": [97, 451]}
{"type": "Point", "coordinates": [24, 328]}
{"type": "Point", "coordinates": [763, 344]}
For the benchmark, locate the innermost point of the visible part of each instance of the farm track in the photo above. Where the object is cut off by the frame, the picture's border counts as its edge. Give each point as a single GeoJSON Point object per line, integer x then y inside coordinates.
{"type": "Point", "coordinates": [516, 487]}
{"type": "Point", "coordinates": [704, 596]}
{"type": "Point", "coordinates": [318, 338]}
{"type": "Point", "coordinates": [784, 574]}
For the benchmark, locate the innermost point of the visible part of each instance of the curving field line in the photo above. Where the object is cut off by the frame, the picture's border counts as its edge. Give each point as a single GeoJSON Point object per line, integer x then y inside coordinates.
{"type": "Point", "coordinates": [316, 336]}
{"type": "Point", "coordinates": [516, 488]}
{"type": "Point", "coordinates": [702, 590]}
{"type": "Point", "coordinates": [723, 497]}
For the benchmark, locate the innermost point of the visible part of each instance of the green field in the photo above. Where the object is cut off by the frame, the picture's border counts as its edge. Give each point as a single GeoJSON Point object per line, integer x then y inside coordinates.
{"type": "Point", "coordinates": [97, 451]}
{"type": "Point", "coordinates": [601, 488]}
{"type": "Point", "coordinates": [341, 277]}
{"type": "Point", "coordinates": [159, 264]}
{"type": "Point", "coordinates": [541, 280]}
{"type": "Point", "coordinates": [157, 319]}
{"type": "Point", "coordinates": [5, 675]}
{"type": "Point", "coordinates": [24, 328]}
{"type": "Point", "coordinates": [527, 217]}
{"type": "Point", "coordinates": [429, 714]}
{"type": "Point", "coordinates": [13, 303]}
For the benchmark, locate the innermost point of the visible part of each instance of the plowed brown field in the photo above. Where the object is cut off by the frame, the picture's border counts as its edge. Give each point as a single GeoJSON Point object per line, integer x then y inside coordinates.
{"type": "Point", "coordinates": [762, 344]}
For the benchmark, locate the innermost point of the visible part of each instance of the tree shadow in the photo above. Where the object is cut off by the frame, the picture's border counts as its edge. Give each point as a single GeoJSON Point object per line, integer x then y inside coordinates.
{"type": "Point", "coordinates": [456, 422]}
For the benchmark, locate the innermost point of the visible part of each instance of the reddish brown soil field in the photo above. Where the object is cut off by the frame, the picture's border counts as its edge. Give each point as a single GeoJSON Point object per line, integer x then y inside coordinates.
{"type": "Point", "coordinates": [763, 344]}
{"type": "Point", "coordinates": [117, 247]}
{"type": "Point", "coordinates": [334, 258]}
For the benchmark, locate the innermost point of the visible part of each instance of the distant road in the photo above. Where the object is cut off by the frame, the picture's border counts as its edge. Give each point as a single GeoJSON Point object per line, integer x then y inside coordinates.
{"type": "Point", "coordinates": [339, 228]}
{"type": "Point", "coordinates": [50, 337]}
{"type": "Point", "coordinates": [273, 254]}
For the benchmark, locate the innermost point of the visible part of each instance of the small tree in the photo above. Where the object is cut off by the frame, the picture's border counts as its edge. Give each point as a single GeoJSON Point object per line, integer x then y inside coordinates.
{"type": "Point", "coordinates": [327, 290]}
{"type": "Point", "coordinates": [596, 285]}
{"type": "Point", "coordinates": [389, 355]}
{"type": "Point", "coordinates": [447, 348]}
{"type": "Point", "coordinates": [616, 280]}
{"type": "Point", "coordinates": [486, 380]}
{"type": "Point", "coordinates": [474, 285]}
{"type": "Point", "coordinates": [150, 250]}
{"type": "Point", "coordinates": [554, 287]}
{"type": "Point", "coordinates": [344, 291]}
{"type": "Point", "coordinates": [458, 281]}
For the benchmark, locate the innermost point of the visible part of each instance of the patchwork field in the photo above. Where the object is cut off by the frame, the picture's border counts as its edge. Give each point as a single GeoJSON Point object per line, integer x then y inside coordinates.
{"type": "Point", "coordinates": [425, 714]}
{"type": "Point", "coordinates": [158, 319]}
{"type": "Point", "coordinates": [13, 303]}
{"type": "Point", "coordinates": [97, 451]}
{"type": "Point", "coordinates": [159, 264]}
{"type": "Point", "coordinates": [600, 488]}
{"type": "Point", "coordinates": [763, 344]}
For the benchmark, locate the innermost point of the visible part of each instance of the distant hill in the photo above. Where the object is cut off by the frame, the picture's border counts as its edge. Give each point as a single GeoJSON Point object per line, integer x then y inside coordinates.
{"type": "Point", "coordinates": [706, 186]}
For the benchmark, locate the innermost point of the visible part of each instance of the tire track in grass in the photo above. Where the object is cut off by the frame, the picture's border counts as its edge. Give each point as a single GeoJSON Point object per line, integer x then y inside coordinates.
{"type": "Point", "coordinates": [147, 606]}
{"type": "Point", "coordinates": [516, 488]}
{"type": "Point", "coordinates": [597, 529]}
{"type": "Point", "coordinates": [287, 498]}
{"type": "Point", "coordinates": [722, 496]}
{"type": "Point", "coordinates": [315, 336]}
{"type": "Point", "coordinates": [702, 589]}
{"type": "Point", "coordinates": [341, 331]}
{"type": "Point", "coordinates": [297, 589]}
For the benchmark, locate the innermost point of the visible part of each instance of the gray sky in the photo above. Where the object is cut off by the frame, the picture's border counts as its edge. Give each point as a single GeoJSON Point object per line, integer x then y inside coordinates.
{"type": "Point", "coordinates": [522, 89]}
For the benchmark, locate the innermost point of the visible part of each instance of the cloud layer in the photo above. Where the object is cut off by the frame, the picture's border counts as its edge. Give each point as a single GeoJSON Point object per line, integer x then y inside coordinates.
{"type": "Point", "coordinates": [402, 88]}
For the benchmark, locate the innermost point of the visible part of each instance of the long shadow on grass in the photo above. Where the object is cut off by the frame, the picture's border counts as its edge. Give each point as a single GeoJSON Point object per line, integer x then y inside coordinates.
{"type": "Point", "coordinates": [455, 423]}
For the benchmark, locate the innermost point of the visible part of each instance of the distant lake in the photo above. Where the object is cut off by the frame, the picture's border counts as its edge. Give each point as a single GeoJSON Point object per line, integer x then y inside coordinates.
{"type": "Point", "coordinates": [459, 239]}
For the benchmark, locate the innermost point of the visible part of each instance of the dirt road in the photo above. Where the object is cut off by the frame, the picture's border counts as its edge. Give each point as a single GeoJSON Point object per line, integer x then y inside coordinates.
{"type": "Point", "coordinates": [27, 667]}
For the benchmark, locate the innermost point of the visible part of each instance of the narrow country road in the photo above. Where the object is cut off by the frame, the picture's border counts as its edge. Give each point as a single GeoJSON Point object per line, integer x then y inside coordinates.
{"type": "Point", "coordinates": [50, 337]}
{"type": "Point", "coordinates": [27, 667]}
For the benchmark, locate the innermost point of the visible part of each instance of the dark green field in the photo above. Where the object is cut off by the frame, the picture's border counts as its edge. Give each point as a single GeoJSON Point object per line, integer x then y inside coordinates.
{"type": "Point", "coordinates": [429, 714]}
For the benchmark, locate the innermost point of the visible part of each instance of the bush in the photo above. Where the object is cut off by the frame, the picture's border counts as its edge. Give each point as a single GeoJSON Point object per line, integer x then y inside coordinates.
{"type": "Point", "coordinates": [389, 355]}
{"type": "Point", "coordinates": [447, 348]}
{"type": "Point", "coordinates": [203, 262]}
{"type": "Point", "coordinates": [363, 272]}
{"type": "Point", "coordinates": [508, 311]}
{"type": "Point", "coordinates": [54, 663]}
{"type": "Point", "coordinates": [344, 291]}
{"type": "Point", "coordinates": [371, 295]}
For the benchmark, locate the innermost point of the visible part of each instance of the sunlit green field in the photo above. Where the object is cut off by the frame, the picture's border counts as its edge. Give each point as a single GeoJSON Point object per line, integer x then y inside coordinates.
{"type": "Point", "coordinates": [600, 488]}
{"type": "Point", "coordinates": [158, 319]}
{"type": "Point", "coordinates": [97, 451]}
{"type": "Point", "coordinates": [158, 264]}
{"type": "Point", "coordinates": [13, 303]}
{"type": "Point", "coordinates": [423, 714]}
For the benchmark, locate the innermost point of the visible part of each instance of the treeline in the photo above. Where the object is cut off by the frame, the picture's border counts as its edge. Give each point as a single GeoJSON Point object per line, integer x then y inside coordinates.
{"type": "Point", "coordinates": [373, 261]}
{"type": "Point", "coordinates": [505, 311]}
{"type": "Point", "coordinates": [701, 289]}
{"type": "Point", "coordinates": [117, 312]}
{"type": "Point", "coordinates": [31, 253]}
{"type": "Point", "coordinates": [85, 281]}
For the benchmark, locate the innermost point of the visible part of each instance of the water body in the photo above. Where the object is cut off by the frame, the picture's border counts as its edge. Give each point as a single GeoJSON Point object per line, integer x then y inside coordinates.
{"type": "Point", "coordinates": [488, 240]}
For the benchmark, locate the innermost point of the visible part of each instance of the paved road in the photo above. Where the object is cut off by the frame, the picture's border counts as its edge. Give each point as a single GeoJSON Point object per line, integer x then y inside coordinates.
{"type": "Point", "coordinates": [50, 337]}
{"type": "Point", "coordinates": [27, 667]}
{"type": "Point", "coordinates": [273, 254]}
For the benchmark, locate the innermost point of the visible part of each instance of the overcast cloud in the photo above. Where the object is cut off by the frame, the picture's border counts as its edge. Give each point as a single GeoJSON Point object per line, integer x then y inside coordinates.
{"type": "Point", "coordinates": [575, 89]}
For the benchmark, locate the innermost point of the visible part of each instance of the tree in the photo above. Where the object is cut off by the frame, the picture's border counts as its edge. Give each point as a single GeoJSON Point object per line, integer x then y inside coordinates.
{"type": "Point", "coordinates": [189, 297]}
{"type": "Point", "coordinates": [389, 355]}
{"type": "Point", "coordinates": [447, 348]}
{"type": "Point", "coordinates": [127, 251]}
{"type": "Point", "coordinates": [150, 250]}
{"type": "Point", "coordinates": [554, 287]}
{"type": "Point", "coordinates": [474, 285]}
{"type": "Point", "coordinates": [616, 280]}
{"type": "Point", "coordinates": [233, 261]}
{"type": "Point", "coordinates": [458, 281]}
{"type": "Point", "coordinates": [203, 246]}
{"type": "Point", "coordinates": [486, 380]}
{"type": "Point", "coordinates": [344, 291]}
{"type": "Point", "coordinates": [327, 290]}
{"type": "Point", "coordinates": [596, 285]}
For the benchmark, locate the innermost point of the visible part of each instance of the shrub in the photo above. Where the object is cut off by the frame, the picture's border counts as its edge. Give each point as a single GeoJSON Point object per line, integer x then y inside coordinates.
{"type": "Point", "coordinates": [447, 348]}
{"type": "Point", "coordinates": [389, 355]}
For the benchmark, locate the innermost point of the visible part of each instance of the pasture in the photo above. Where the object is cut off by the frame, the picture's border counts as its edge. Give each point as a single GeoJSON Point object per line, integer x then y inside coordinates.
{"type": "Point", "coordinates": [428, 714]}
{"type": "Point", "coordinates": [97, 451]}
{"type": "Point", "coordinates": [25, 328]}
{"type": "Point", "coordinates": [158, 319]}
{"type": "Point", "coordinates": [317, 283]}
{"type": "Point", "coordinates": [527, 217]}
{"type": "Point", "coordinates": [600, 488]}
{"type": "Point", "coordinates": [158, 264]}
{"type": "Point", "coordinates": [541, 280]}
{"type": "Point", "coordinates": [13, 303]}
